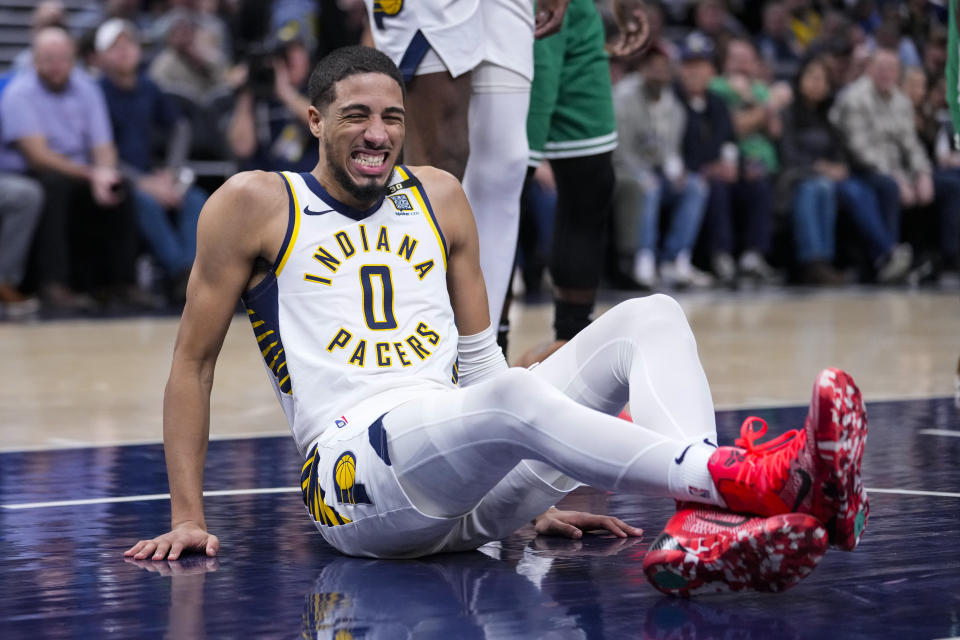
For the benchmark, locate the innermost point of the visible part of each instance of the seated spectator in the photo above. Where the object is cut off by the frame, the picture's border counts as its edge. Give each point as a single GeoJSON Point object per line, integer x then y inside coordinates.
{"type": "Point", "coordinates": [137, 106]}
{"type": "Point", "coordinates": [935, 51]}
{"type": "Point", "coordinates": [776, 44]}
{"type": "Point", "coordinates": [712, 20]}
{"type": "Point", "coordinates": [268, 128]}
{"type": "Point", "coordinates": [190, 66]}
{"type": "Point", "coordinates": [648, 163]}
{"type": "Point", "coordinates": [817, 178]}
{"type": "Point", "coordinates": [20, 202]}
{"type": "Point", "coordinates": [936, 132]}
{"type": "Point", "coordinates": [888, 36]}
{"type": "Point", "coordinates": [47, 13]}
{"type": "Point", "coordinates": [55, 125]}
{"type": "Point", "coordinates": [878, 122]}
{"type": "Point", "coordinates": [755, 112]}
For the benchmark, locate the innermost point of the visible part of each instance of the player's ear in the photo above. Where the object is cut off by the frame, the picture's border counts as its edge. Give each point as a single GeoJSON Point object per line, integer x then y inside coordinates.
{"type": "Point", "coordinates": [316, 121]}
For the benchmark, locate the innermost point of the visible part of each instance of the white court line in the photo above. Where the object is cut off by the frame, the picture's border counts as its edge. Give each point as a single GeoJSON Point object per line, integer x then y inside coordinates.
{"type": "Point", "coordinates": [149, 496]}
{"type": "Point", "coordinates": [248, 492]}
{"type": "Point", "coordinates": [914, 492]}
{"type": "Point", "coordinates": [940, 432]}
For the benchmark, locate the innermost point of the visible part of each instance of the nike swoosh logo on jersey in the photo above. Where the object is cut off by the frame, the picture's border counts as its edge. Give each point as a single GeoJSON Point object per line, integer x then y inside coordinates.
{"type": "Point", "coordinates": [308, 212]}
{"type": "Point", "coordinates": [805, 483]}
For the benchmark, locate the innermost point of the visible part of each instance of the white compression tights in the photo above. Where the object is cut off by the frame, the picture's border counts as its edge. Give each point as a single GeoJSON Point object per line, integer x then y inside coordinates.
{"type": "Point", "coordinates": [495, 171]}
{"type": "Point", "coordinates": [454, 450]}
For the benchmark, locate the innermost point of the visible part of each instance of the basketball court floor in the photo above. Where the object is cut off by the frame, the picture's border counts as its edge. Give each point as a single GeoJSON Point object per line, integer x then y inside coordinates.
{"type": "Point", "coordinates": [82, 478]}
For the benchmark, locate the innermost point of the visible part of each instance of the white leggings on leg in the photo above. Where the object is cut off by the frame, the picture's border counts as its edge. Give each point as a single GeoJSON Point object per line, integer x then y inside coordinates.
{"type": "Point", "coordinates": [481, 445]}
{"type": "Point", "coordinates": [495, 171]}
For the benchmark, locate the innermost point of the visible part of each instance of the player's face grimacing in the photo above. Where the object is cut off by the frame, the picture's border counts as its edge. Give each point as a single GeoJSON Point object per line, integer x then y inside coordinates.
{"type": "Point", "coordinates": [362, 136]}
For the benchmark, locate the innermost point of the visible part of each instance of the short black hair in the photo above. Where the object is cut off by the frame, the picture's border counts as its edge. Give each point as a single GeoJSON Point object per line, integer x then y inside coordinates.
{"type": "Point", "coordinates": [344, 62]}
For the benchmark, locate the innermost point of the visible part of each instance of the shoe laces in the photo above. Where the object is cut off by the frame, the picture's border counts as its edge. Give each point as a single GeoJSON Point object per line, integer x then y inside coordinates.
{"type": "Point", "coordinates": [768, 460]}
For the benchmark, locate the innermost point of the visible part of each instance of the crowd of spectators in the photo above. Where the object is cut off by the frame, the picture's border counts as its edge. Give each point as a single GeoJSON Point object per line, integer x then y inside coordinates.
{"type": "Point", "coordinates": [813, 136]}
{"type": "Point", "coordinates": [106, 113]}
{"type": "Point", "coordinates": [762, 141]}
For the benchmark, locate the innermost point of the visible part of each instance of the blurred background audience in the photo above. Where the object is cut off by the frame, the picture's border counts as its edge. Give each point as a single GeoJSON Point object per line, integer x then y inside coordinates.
{"type": "Point", "coordinates": [760, 141]}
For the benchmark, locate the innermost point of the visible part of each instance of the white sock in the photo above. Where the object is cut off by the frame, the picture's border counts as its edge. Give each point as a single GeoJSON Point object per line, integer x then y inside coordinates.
{"type": "Point", "coordinates": [689, 479]}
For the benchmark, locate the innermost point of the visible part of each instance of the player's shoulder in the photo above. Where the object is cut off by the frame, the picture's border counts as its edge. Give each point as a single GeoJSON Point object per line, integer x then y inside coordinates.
{"type": "Point", "coordinates": [248, 199]}
{"type": "Point", "coordinates": [253, 188]}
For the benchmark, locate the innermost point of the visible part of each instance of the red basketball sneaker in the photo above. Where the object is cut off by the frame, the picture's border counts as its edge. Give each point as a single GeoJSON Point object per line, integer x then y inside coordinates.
{"type": "Point", "coordinates": [706, 549]}
{"type": "Point", "coordinates": [814, 471]}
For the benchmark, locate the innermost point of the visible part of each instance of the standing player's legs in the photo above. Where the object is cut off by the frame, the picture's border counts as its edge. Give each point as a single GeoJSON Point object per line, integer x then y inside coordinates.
{"type": "Point", "coordinates": [572, 124]}
{"type": "Point", "coordinates": [450, 450]}
{"type": "Point", "coordinates": [437, 132]}
{"type": "Point", "coordinates": [584, 198]}
{"type": "Point", "coordinates": [495, 171]}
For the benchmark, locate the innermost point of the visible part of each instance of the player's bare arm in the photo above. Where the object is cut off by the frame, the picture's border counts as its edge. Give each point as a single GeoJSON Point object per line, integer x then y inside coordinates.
{"type": "Point", "coordinates": [238, 226]}
{"type": "Point", "coordinates": [468, 293]}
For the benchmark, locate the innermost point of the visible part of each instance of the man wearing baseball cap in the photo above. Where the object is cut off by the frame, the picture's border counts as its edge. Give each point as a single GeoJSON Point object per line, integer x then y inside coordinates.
{"type": "Point", "coordinates": [139, 111]}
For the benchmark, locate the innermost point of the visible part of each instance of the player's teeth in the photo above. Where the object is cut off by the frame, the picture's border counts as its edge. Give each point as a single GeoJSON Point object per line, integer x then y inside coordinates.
{"type": "Point", "coordinates": [370, 161]}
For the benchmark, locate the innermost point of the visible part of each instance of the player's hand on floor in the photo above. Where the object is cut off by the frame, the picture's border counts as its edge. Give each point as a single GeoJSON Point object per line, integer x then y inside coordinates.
{"type": "Point", "coordinates": [573, 524]}
{"type": "Point", "coordinates": [187, 536]}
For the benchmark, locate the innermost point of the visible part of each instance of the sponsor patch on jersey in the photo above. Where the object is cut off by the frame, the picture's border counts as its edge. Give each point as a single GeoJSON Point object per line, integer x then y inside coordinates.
{"type": "Point", "coordinates": [402, 204]}
{"type": "Point", "coordinates": [341, 422]}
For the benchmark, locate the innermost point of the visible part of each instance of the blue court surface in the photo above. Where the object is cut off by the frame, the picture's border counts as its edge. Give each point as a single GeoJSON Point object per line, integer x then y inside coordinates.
{"type": "Point", "coordinates": [67, 515]}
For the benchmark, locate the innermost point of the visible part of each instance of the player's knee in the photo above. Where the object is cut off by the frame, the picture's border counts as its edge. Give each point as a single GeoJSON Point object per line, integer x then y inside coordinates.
{"type": "Point", "coordinates": [656, 305]}
{"type": "Point", "coordinates": [519, 393]}
{"type": "Point", "coordinates": [655, 310]}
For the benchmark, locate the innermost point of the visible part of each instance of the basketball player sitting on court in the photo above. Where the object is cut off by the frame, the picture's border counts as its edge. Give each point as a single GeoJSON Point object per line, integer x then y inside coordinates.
{"type": "Point", "coordinates": [362, 284]}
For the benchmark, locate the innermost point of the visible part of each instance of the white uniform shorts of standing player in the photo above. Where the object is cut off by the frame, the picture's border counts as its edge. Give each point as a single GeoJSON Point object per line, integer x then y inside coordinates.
{"type": "Point", "coordinates": [493, 40]}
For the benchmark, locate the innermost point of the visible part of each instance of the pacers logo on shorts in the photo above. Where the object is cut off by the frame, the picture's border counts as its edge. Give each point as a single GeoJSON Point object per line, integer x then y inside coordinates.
{"type": "Point", "coordinates": [348, 490]}
{"type": "Point", "coordinates": [385, 8]}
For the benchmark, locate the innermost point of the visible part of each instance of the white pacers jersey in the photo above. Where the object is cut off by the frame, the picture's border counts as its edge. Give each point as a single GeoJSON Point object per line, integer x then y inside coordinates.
{"type": "Point", "coordinates": [355, 317]}
{"type": "Point", "coordinates": [463, 33]}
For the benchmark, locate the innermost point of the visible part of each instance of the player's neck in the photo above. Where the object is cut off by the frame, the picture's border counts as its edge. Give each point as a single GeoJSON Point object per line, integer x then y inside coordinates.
{"type": "Point", "coordinates": [340, 193]}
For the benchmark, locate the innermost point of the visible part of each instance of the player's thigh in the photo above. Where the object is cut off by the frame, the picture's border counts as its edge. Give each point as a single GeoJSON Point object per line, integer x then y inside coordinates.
{"type": "Point", "coordinates": [437, 132]}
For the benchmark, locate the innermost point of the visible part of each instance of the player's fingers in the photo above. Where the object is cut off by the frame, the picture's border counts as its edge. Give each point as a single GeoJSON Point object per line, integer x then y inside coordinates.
{"type": "Point", "coordinates": [628, 529]}
{"type": "Point", "coordinates": [566, 530]}
{"type": "Point", "coordinates": [547, 23]}
{"type": "Point", "coordinates": [146, 549]}
{"type": "Point", "coordinates": [612, 525]}
{"type": "Point", "coordinates": [213, 545]}
{"type": "Point", "coordinates": [135, 548]}
{"type": "Point", "coordinates": [175, 550]}
{"type": "Point", "coordinates": [162, 548]}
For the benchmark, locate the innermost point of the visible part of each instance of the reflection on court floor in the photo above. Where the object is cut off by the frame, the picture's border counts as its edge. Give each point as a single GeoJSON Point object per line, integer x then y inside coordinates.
{"type": "Point", "coordinates": [66, 515]}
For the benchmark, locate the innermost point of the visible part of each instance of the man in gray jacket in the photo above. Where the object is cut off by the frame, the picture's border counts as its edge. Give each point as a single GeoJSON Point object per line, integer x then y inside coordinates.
{"type": "Point", "coordinates": [878, 120]}
{"type": "Point", "coordinates": [650, 173]}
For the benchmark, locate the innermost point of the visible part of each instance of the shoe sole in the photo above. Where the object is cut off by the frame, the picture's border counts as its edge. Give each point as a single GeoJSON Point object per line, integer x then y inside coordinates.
{"type": "Point", "coordinates": [838, 425]}
{"type": "Point", "coordinates": [770, 558]}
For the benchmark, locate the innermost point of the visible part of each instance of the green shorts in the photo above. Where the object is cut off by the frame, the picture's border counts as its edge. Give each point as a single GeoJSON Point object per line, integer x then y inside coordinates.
{"type": "Point", "coordinates": [571, 100]}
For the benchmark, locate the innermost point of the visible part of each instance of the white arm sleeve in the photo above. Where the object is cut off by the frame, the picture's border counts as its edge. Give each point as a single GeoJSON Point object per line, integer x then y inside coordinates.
{"type": "Point", "coordinates": [479, 357]}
